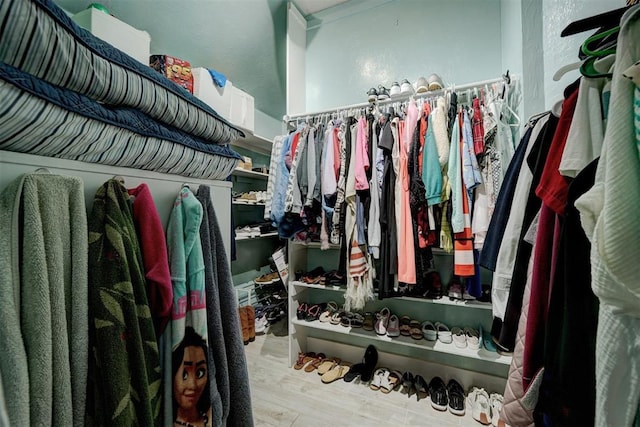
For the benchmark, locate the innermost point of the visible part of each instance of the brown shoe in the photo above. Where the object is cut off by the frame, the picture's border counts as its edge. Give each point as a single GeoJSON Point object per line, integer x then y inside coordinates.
{"type": "Point", "coordinates": [242, 312]}
{"type": "Point", "coordinates": [251, 322]}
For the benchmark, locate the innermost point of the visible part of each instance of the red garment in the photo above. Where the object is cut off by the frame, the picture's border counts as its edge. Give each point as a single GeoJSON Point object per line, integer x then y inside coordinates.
{"type": "Point", "coordinates": [553, 187]}
{"type": "Point", "coordinates": [477, 128]}
{"type": "Point", "coordinates": [154, 256]}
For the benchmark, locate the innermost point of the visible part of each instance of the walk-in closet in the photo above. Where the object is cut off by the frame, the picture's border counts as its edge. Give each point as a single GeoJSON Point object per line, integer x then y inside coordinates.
{"type": "Point", "coordinates": [309, 213]}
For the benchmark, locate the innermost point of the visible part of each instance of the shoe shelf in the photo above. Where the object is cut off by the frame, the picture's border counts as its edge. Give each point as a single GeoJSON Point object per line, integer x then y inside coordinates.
{"type": "Point", "coordinates": [442, 301]}
{"type": "Point", "coordinates": [243, 203]}
{"type": "Point", "coordinates": [262, 236]}
{"type": "Point", "coordinates": [249, 174]}
{"type": "Point", "coordinates": [422, 344]}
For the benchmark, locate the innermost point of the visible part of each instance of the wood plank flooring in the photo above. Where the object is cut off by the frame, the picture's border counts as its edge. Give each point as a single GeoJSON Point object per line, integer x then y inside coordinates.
{"type": "Point", "coordinates": [283, 396]}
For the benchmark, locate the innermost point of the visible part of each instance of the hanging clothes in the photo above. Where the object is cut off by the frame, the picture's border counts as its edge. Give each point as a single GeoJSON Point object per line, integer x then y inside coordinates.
{"type": "Point", "coordinates": [188, 326]}
{"type": "Point", "coordinates": [608, 214]}
{"type": "Point", "coordinates": [229, 380]}
{"type": "Point", "coordinates": [388, 244]}
{"type": "Point", "coordinates": [122, 336]}
{"type": "Point", "coordinates": [43, 300]}
{"type": "Point", "coordinates": [154, 255]}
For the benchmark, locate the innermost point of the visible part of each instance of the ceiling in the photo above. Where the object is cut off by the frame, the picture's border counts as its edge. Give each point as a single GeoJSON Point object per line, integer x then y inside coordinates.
{"type": "Point", "coordinates": [243, 39]}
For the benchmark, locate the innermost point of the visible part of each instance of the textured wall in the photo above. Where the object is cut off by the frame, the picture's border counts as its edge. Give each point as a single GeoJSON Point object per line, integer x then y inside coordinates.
{"type": "Point", "coordinates": [559, 51]}
{"type": "Point", "coordinates": [458, 39]}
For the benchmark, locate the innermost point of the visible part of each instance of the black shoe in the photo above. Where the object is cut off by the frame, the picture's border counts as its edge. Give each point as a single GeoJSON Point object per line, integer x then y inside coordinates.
{"type": "Point", "coordinates": [369, 360]}
{"type": "Point", "coordinates": [407, 383]}
{"type": "Point", "coordinates": [421, 387]}
{"type": "Point", "coordinates": [354, 372]}
{"type": "Point", "coordinates": [438, 393]}
{"type": "Point", "coordinates": [456, 397]}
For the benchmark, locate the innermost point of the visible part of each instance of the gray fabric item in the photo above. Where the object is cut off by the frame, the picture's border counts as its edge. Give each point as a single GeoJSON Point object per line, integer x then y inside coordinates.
{"type": "Point", "coordinates": [223, 323]}
{"type": "Point", "coordinates": [45, 335]}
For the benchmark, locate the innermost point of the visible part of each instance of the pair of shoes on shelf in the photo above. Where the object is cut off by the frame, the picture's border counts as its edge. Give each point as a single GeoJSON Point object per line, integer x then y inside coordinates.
{"type": "Point", "coordinates": [267, 279]}
{"type": "Point", "coordinates": [365, 368]}
{"type": "Point", "coordinates": [314, 277]}
{"type": "Point", "coordinates": [433, 82]}
{"type": "Point", "coordinates": [438, 331]}
{"type": "Point", "coordinates": [309, 312]}
{"type": "Point", "coordinates": [382, 321]}
{"type": "Point", "coordinates": [247, 231]}
{"type": "Point", "coordinates": [385, 380]}
{"type": "Point", "coordinates": [328, 311]}
{"type": "Point", "coordinates": [485, 408]}
{"type": "Point", "coordinates": [352, 320]}
{"type": "Point", "coordinates": [467, 337]}
{"type": "Point", "coordinates": [401, 89]}
{"type": "Point", "coordinates": [379, 94]}
{"type": "Point", "coordinates": [410, 328]}
{"type": "Point", "coordinates": [487, 341]}
{"type": "Point", "coordinates": [449, 396]}
{"type": "Point", "coordinates": [415, 384]}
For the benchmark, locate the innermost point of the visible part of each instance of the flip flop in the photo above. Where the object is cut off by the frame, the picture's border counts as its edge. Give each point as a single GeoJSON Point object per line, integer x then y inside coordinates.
{"type": "Point", "coordinates": [310, 367]}
{"type": "Point", "coordinates": [327, 364]}
{"type": "Point", "coordinates": [338, 372]}
{"type": "Point", "coordinates": [303, 359]}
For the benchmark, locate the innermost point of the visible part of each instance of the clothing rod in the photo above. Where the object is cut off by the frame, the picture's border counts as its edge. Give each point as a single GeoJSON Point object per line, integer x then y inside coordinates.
{"type": "Point", "coordinates": [287, 118]}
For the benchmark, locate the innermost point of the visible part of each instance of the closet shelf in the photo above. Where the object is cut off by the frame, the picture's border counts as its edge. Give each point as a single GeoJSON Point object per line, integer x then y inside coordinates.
{"type": "Point", "coordinates": [252, 142]}
{"type": "Point", "coordinates": [262, 236]}
{"type": "Point", "coordinates": [249, 174]}
{"type": "Point", "coordinates": [441, 301]}
{"type": "Point", "coordinates": [240, 203]}
{"type": "Point", "coordinates": [436, 346]}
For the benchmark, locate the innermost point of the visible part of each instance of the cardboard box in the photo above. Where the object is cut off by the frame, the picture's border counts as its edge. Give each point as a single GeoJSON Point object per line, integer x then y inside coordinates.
{"type": "Point", "coordinates": [218, 98]}
{"type": "Point", "coordinates": [175, 69]}
{"type": "Point", "coordinates": [131, 41]}
{"type": "Point", "coordinates": [242, 110]}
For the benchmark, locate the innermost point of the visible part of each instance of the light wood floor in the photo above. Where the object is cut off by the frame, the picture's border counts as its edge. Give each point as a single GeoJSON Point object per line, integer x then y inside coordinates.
{"type": "Point", "coordinates": [283, 396]}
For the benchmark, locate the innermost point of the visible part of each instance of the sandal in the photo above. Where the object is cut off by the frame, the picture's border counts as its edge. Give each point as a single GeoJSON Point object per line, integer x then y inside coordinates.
{"type": "Point", "coordinates": [367, 324]}
{"type": "Point", "coordinates": [332, 307]}
{"type": "Point", "coordinates": [415, 330]}
{"type": "Point", "coordinates": [336, 318]}
{"type": "Point", "coordinates": [338, 372]}
{"type": "Point", "coordinates": [429, 331]}
{"type": "Point", "coordinates": [303, 359]}
{"type": "Point", "coordinates": [301, 312]}
{"type": "Point", "coordinates": [313, 313]}
{"type": "Point", "coordinates": [357, 321]}
{"type": "Point", "coordinates": [394, 379]}
{"type": "Point", "coordinates": [405, 328]}
{"type": "Point", "coordinates": [380, 377]}
{"type": "Point", "coordinates": [327, 364]}
{"type": "Point", "coordinates": [315, 363]}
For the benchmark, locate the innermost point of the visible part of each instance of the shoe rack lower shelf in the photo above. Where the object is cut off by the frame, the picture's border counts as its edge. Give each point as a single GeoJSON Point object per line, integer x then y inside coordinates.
{"type": "Point", "coordinates": [423, 344]}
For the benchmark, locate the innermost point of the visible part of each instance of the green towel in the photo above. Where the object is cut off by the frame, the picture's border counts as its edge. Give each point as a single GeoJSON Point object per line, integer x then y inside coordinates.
{"type": "Point", "coordinates": [124, 372]}
{"type": "Point", "coordinates": [43, 298]}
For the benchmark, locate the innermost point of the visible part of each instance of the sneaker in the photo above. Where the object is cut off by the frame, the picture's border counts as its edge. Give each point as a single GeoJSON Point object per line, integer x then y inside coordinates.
{"type": "Point", "coordinates": [444, 333]}
{"type": "Point", "coordinates": [383, 93]}
{"type": "Point", "coordinates": [395, 90]}
{"type": "Point", "coordinates": [393, 328]}
{"type": "Point", "coordinates": [459, 337]}
{"type": "Point", "coordinates": [455, 289]}
{"type": "Point", "coordinates": [473, 338]}
{"type": "Point", "coordinates": [372, 95]}
{"type": "Point", "coordinates": [261, 323]}
{"type": "Point", "coordinates": [406, 88]}
{"type": "Point", "coordinates": [435, 82]}
{"type": "Point", "coordinates": [438, 394]}
{"type": "Point", "coordinates": [478, 404]}
{"type": "Point", "coordinates": [495, 402]}
{"type": "Point", "coordinates": [466, 295]}
{"type": "Point", "coordinates": [243, 232]}
{"type": "Point", "coordinates": [455, 393]}
{"type": "Point", "coordinates": [421, 85]}
{"type": "Point", "coordinates": [267, 279]}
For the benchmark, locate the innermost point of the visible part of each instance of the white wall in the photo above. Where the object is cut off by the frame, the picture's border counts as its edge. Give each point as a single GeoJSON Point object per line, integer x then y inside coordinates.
{"type": "Point", "coordinates": [458, 39]}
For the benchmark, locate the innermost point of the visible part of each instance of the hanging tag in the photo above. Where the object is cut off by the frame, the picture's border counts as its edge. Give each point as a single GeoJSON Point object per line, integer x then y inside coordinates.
{"type": "Point", "coordinates": [633, 73]}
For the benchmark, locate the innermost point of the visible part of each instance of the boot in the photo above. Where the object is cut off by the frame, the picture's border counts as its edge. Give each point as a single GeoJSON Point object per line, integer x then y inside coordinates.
{"type": "Point", "coordinates": [251, 322]}
{"type": "Point", "coordinates": [244, 322]}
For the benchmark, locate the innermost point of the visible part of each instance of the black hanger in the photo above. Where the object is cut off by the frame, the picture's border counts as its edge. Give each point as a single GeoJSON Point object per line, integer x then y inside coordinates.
{"type": "Point", "coordinates": [603, 21]}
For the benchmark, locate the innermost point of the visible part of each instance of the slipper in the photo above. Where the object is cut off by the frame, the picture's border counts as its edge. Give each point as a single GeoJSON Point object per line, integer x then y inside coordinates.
{"type": "Point", "coordinates": [332, 307]}
{"type": "Point", "coordinates": [380, 377]}
{"type": "Point", "coordinates": [357, 321]}
{"type": "Point", "coordinates": [394, 379]}
{"type": "Point", "coordinates": [315, 363]}
{"type": "Point", "coordinates": [338, 372]}
{"type": "Point", "coordinates": [405, 328]}
{"type": "Point", "coordinates": [473, 338]}
{"type": "Point", "coordinates": [354, 372]}
{"type": "Point", "coordinates": [429, 331]}
{"type": "Point", "coordinates": [336, 318]}
{"type": "Point", "coordinates": [444, 333]}
{"type": "Point", "coordinates": [313, 313]}
{"type": "Point", "coordinates": [415, 330]}
{"type": "Point", "coordinates": [303, 359]}
{"type": "Point", "coordinates": [302, 311]}
{"type": "Point", "coordinates": [327, 364]}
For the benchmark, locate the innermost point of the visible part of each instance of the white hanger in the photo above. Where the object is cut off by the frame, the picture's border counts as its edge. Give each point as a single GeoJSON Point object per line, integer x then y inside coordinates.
{"type": "Point", "coordinates": [565, 69]}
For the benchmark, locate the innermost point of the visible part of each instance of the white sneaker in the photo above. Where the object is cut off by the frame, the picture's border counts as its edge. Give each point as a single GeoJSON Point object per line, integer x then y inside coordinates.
{"type": "Point", "coordinates": [435, 82]}
{"type": "Point", "coordinates": [473, 338]}
{"type": "Point", "coordinates": [261, 324]}
{"type": "Point", "coordinates": [395, 90]}
{"type": "Point", "coordinates": [421, 85]}
{"type": "Point", "coordinates": [478, 402]}
{"type": "Point", "coordinates": [459, 337]}
{"type": "Point", "coordinates": [406, 88]}
{"type": "Point", "coordinates": [496, 400]}
{"type": "Point", "coordinates": [243, 232]}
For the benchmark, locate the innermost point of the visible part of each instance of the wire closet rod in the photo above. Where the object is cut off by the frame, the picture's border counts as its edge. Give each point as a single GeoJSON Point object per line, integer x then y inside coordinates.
{"type": "Point", "coordinates": [288, 118]}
